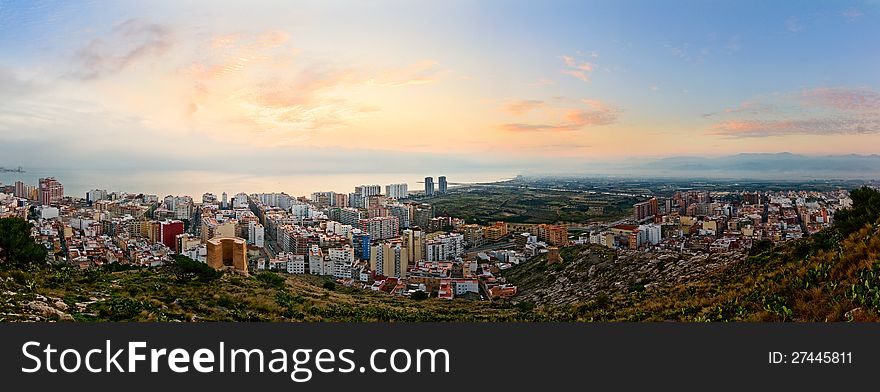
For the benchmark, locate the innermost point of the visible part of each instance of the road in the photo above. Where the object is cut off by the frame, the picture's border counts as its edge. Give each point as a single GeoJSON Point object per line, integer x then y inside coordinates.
{"type": "Point", "coordinates": [493, 246]}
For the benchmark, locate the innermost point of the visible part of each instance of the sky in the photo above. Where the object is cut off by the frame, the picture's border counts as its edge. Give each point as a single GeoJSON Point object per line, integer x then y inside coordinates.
{"type": "Point", "coordinates": [406, 86]}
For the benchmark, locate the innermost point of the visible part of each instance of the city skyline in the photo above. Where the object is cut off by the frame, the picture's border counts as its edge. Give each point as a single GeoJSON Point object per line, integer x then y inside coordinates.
{"type": "Point", "coordinates": [393, 186]}
{"type": "Point", "coordinates": [458, 86]}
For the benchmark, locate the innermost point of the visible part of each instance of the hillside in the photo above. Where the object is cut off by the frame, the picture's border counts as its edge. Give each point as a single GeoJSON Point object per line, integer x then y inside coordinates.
{"type": "Point", "coordinates": [163, 294]}
{"type": "Point", "coordinates": [833, 275]}
{"type": "Point", "coordinates": [821, 278]}
{"type": "Point", "coordinates": [593, 271]}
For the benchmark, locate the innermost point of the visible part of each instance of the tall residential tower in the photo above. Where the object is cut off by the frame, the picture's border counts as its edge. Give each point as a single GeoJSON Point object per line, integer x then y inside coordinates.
{"type": "Point", "coordinates": [429, 186]}
{"type": "Point", "coordinates": [50, 191]}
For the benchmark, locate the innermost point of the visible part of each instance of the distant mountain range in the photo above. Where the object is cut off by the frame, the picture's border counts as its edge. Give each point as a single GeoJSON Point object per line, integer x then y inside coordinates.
{"type": "Point", "coordinates": [779, 165]}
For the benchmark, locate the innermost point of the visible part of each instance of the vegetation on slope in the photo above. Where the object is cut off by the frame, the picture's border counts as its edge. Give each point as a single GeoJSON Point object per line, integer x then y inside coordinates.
{"type": "Point", "coordinates": [520, 205]}
{"type": "Point", "coordinates": [830, 276]}
{"type": "Point", "coordinates": [16, 245]}
{"type": "Point", "coordinates": [187, 290]}
{"type": "Point", "coordinates": [833, 275]}
{"type": "Point", "coordinates": [163, 294]}
{"type": "Point", "coordinates": [593, 271]}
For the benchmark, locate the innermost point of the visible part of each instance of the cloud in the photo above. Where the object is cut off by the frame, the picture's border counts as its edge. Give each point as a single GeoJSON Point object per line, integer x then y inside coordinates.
{"type": "Point", "coordinates": [577, 74]}
{"type": "Point", "coordinates": [851, 14]}
{"type": "Point", "coordinates": [733, 44]}
{"type": "Point", "coordinates": [248, 88]}
{"type": "Point", "coordinates": [598, 105]}
{"type": "Point", "coordinates": [576, 69]}
{"type": "Point", "coordinates": [818, 111]}
{"type": "Point", "coordinates": [422, 72]}
{"type": "Point", "coordinates": [813, 126]}
{"type": "Point", "coordinates": [260, 86]}
{"type": "Point", "coordinates": [841, 98]}
{"type": "Point", "coordinates": [541, 82]}
{"type": "Point", "coordinates": [793, 24]}
{"type": "Point", "coordinates": [746, 107]}
{"type": "Point", "coordinates": [698, 54]}
{"type": "Point", "coordinates": [231, 54]}
{"type": "Point", "coordinates": [255, 88]}
{"type": "Point", "coordinates": [523, 106]}
{"type": "Point", "coordinates": [597, 113]}
{"type": "Point", "coordinates": [127, 43]}
{"type": "Point", "coordinates": [13, 86]}
{"type": "Point", "coordinates": [590, 118]}
{"type": "Point", "coordinates": [680, 51]}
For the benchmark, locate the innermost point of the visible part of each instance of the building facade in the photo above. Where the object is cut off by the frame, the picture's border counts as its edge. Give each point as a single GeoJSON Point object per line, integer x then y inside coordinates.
{"type": "Point", "coordinates": [429, 186]}
{"type": "Point", "coordinates": [397, 191]}
{"type": "Point", "coordinates": [50, 191]}
{"type": "Point", "coordinates": [228, 253]}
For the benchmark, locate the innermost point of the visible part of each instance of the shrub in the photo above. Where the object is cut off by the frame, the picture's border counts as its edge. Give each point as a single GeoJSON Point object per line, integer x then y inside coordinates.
{"type": "Point", "coordinates": [271, 279]}
{"type": "Point", "coordinates": [760, 246]}
{"type": "Point", "coordinates": [186, 268]}
{"type": "Point", "coordinates": [117, 267]}
{"type": "Point", "coordinates": [16, 244]}
{"type": "Point", "coordinates": [865, 210]}
{"type": "Point", "coordinates": [419, 295]}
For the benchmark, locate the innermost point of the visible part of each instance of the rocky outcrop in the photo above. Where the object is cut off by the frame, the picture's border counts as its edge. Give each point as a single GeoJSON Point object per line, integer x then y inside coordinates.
{"type": "Point", "coordinates": [45, 310]}
{"type": "Point", "coordinates": [590, 271]}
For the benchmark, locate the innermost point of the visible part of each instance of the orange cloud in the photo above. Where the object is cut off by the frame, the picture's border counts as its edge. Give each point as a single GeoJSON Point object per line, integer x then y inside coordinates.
{"type": "Point", "coordinates": [230, 54]}
{"type": "Point", "coordinates": [257, 88]}
{"type": "Point", "coordinates": [819, 111]}
{"type": "Point", "coordinates": [812, 126]}
{"type": "Point", "coordinates": [598, 114]}
{"type": "Point", "coordinates": [598, 105]}
{"type": "Point", "coordinates": [422, 72]}
{"type": "Point", "coordinates": [579, 70]}
{"type": "Point", "coordinates": [523, 106]}
{"type": "Point", "coordinates": [577, 74]}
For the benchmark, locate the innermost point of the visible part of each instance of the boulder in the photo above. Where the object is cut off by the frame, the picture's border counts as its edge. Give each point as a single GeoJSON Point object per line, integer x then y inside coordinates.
{"type": "Point", "coordinates": [45, 310]}
{"type": "Point", "coordinates": [60, 305]}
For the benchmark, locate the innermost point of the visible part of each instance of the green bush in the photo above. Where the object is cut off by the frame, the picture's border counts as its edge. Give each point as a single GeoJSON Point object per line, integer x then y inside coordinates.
{"type": "Point", "coordinates": [865, 210]}
{"type": "Point", "coordinates": [271, 279]}
{"type": "Point", "coordinates": [185, 268]}
{"type": "Point", "coordinates": [16, 244]}
{"type": "Point", "coordinates": [419, 295]}
{"type": "Point", "coordinates": [116, 267]}
{"type": "Point", "coordinates": [761, 246]}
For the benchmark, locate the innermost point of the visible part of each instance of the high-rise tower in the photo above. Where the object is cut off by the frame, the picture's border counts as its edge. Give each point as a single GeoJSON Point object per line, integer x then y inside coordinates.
{"type": "Point", "coordinates": [429, 186]}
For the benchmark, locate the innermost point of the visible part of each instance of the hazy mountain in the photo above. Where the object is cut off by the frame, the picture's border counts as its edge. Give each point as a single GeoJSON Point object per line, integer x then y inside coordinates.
{"type": "Point", "coordinates": [780, 165]}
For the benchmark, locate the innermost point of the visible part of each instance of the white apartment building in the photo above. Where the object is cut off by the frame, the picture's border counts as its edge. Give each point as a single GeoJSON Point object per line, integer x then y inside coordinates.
{"type": "Point", "coordinates": [296, 264]}
{"type": "Point", "coordinates": [256, 234]}
{"type": "Point", "coordinates": [342, 260]}
{"type": "Point", "coordinates": [316, 261]}
{"type": "Point", "coordinates": [444, 247]}
{"type": "Point", "coordinates": [397, 191]}
{"type": "Point", "coordinates": [653, 233]}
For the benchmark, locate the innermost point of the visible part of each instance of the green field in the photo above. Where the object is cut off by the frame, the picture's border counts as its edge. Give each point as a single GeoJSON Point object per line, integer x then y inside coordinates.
{"type": "Point", "coordinates": [484, 204]}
